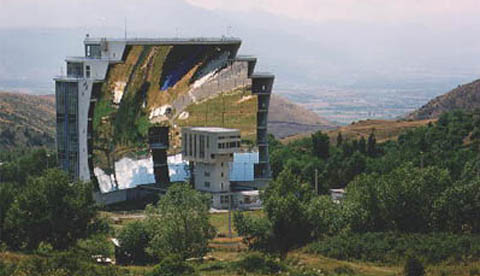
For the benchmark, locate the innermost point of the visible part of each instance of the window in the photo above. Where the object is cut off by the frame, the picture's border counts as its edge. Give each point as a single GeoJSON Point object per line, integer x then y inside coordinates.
{"type": "Point", "coordinates": [184, 143]}
{"type": "Point", "coordinates": [224, 199]}
{"type": "Point", "coordinates": [212, 156]}
{"type": "Point", "coordinates": [264, 87]}
{"type": "Point", "coordinates": [202, 146]}
{"type": "Point", "coordinates": [221, 185]}
{"type": "Point", "coordinates": [194, 145]}
{"type": "Point", "coordinates": [190, 143]}
{"type": "Point", "coordinates": [222, 176]}
{"type": "Point", "coordinates": [87, 71]}
{"type": "Point", "coordinates": [221, 164]}
{"type": "Point", "coordinates": [207, 184]}
{"type": "Point", "coordinates": [207, 174]}
{"type": "Point", "coordinates": [208, 142]}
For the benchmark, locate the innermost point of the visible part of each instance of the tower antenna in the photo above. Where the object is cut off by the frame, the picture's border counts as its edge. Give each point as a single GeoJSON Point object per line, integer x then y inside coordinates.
{"type": "Point", "coordinates": [125, 25]}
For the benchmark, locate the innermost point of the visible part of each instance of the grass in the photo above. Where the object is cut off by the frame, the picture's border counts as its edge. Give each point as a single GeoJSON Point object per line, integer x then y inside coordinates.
{"type": "Point", "coordinates": [226, 110]}
{"type": "Point", "coordinates": [220, 221]}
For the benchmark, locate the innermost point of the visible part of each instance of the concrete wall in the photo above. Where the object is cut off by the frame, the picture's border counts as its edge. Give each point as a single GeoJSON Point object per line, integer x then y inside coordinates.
{"type": "Point", "coordinates": [84, 95]}
{"type": "Point", "coordinates": [216, 175]}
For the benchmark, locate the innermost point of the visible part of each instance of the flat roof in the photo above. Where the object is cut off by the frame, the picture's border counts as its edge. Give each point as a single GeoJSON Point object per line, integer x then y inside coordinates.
{"type": "Point", "coordinates": [212, 129]}
{"type": "Point", "coordinates": [262, 75]}
{"type": "Point", "coordinates": [246, 57]}
{"type": "Point", "coordinates": [167, 40]}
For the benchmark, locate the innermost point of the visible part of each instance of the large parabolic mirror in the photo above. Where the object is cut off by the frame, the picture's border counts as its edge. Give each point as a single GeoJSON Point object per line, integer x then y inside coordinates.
{"type": "Point", "coordinates": [165, 86]}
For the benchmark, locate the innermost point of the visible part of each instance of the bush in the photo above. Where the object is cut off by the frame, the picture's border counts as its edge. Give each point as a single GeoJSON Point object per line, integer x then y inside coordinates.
{"type": "Point", "coordinates": [172, 266]}
{"type": "Point", "coordinates": [413, 267]}
{"type": "Point", "coordinates": [258, 263]}
{"type": "Point", "coordinates": [392, 247]}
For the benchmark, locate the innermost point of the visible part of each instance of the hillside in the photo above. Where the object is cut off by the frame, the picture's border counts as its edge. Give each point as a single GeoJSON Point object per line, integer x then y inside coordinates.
{"type": "Point", "coordinates": [465, 96]}
{"type": "Point", "coordinates": [26, 120]}
{"type": "Point", "coordinates": [384, 130]}
{"type": "Point", "coordinates": [286, 119]}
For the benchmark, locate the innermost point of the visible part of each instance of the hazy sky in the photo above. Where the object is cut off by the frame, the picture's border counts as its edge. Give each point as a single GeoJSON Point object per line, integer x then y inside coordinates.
{"type": "Point", "coordinates": [76, 13]}
{"type": "Point", "coordinates": [307, 43]}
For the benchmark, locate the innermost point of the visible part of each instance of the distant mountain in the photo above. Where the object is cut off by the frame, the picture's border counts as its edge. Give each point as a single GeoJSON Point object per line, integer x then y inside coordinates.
{"type": "Point", "coordinates": [465, 96]}
{"type": "Point", "coordinates": [286, 119]}
{"type": "Point", "coordinates": [26, 121]}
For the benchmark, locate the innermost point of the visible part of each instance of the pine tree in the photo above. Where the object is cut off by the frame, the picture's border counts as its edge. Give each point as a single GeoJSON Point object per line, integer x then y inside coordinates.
{"type": "Point", "coordinates": [372, 144]}
{"type": "Point", "coordinates": [339, 139]}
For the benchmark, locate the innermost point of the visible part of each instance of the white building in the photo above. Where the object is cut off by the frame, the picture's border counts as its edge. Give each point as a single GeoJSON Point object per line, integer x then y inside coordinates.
{"type": "Point", "coordinates": [210, 153]}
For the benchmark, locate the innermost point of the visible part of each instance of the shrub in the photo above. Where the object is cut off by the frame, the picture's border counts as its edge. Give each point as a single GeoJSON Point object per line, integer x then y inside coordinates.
{"type": "Point", "coordinates": [389, 247]}
{"type": "Point", "coordinates": [413, 267]}
{"type": "Point", "coordinates": [258, 263]}
{"type": "Point", "coordinates": [171, 266]}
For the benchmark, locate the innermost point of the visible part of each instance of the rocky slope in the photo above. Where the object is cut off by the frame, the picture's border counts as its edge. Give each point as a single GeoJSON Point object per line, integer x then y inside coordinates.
{"type": "Point", "coordinates": [286, 119]}
{"type": "Point", "coordinates": [465, 96]}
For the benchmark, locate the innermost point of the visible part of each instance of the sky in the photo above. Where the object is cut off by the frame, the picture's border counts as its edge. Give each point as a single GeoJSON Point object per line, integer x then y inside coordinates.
{"type": "Point", "coordinates": [309, 44]}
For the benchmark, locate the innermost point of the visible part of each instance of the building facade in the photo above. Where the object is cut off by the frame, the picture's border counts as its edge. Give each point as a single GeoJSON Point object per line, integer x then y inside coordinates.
{"type": "Point", "coordinates": [121, 107]}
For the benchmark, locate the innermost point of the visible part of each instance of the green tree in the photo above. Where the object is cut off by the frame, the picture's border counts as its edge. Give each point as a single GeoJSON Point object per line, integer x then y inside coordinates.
{"type": "Point", "coordinates": [372, 144]}
{"type": "Point", "coordinates": [362, 145]}
{"type": "Point", "coordinates": [179, 223]}
{"type": "Point", "coordinates": [7, 195]}
{"type": "Point", "coordinates": [321, 145]}
{"type": "Point", "coordinates": [339, 139]}
{"type": "Point", "coordinates": [50, 209]}
{"type": "Point", "coordinates": [285, 201]}
{"type": "Point", "coordinates": [134, 239]}
{"type": "Point", "coordinates": [457, 209]}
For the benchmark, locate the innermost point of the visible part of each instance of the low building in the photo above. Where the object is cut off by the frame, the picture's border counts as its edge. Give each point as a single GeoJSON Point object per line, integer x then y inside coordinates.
{"type": "Point", "coordinates": [209, 150]}
{"type": "Point", "coordinates": [337, 194]}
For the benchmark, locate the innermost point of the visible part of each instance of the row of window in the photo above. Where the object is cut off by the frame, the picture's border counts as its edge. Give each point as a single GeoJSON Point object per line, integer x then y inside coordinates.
{"type": "Point", "coordinates": [229, 137]}
{"type": "Point", "coordinates": [207, 174]}
{"type": "Point", "coordinates": [75, 69]}
{"type": "Point", "coordinates": [229, 145]}
{"type": "Point", "coordinates": [190, 145]}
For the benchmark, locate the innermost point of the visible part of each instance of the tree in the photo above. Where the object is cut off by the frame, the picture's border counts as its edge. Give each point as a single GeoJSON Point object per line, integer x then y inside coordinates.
{"type": "Point", "coordinates": [134, 239]}
{"type": "Point", "coordinates": [285, 201]}
{"type": "Point", "coordinates": [321, 144]}
{"type": "Point", "coordinates": [179, 223]}
{"type": "Point", "coordinates": [362, 145]}
{"type": "Point", "coordinates": [50, 209]}
{"type": "Point", "coordinates": [457, 209]}
{"type": "Point", "coordinates": [339, 139]}
{"type": "Point", "coordinates": [7, 195]}
{"type": "Point", "coordinates": [372, 144]}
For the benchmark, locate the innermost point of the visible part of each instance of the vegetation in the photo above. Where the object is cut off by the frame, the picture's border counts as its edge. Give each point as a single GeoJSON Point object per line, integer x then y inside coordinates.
{"type": "Point", "coordinates": [411, 206]}
{"type": "Point", "coordinates": [177, 225]}
{"type": "Point", "coordinates": [26, 121]}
